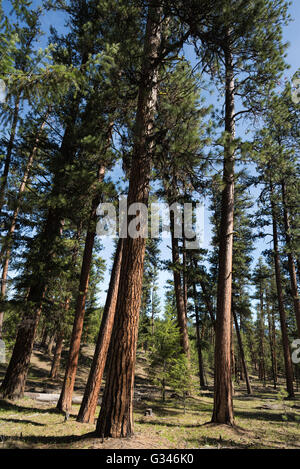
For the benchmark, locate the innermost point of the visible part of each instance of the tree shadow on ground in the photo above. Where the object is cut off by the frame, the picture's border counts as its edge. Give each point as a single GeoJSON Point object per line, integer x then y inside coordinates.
{"type": "Point", "coordinates": [10, 406]}
{"type": "Point", "coordinates": [54, 440]}
{"type": "Point", "coordinates": [216, 443]}
{"type": "Point", "coordinates": [169, 424]}
{"type": "Point", "coordinates": [23, 421]}
{"type": "Point", "coordinates": [266, 416]}
{"type": "Point", "coordinates": [158, 409]}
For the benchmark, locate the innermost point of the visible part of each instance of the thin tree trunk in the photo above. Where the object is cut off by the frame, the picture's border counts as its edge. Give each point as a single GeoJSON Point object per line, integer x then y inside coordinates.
{"type": "Point", "coordinates": [50, 345]}
{"type": "Point", "coordinates": [116, 415]}
{"type": "Point", "coordinates": [152, 313]}
{"type": "Point", "coordinates": [57, 356]}
{"type": "Point", "coordinates": [284, 332]}
{"type": "Point", "coordinates": [184, 278]}
{"type": "Point", "coordinates": [291, 264]}
{"type": "Point", "coordinates": [65, 399]}
{"type": "Point", "coordinates": [262, 337]}
{"type": "Point", "coordinates": [90, 399]}
{"type": "Point", "coordinates": [199, 348]}
{"type": "Point", "coordinates": [6, 250]}
{"type": "Point", "coordinates": [233, 360]}
{"type": "Point", "coordinates": [179, 293]}
{"type": "Point", "coordinates": [272, 346]}
{"type": "Point", "coordinates": [223, 404]}
{"type": "Point", "coordinates": [60, 338]}
{"type": "Point", "coordinates": [206, 297]}
{"type": "Point", "coordinates": [242, 354]}
{"type": "Point", "coordinates": [208, 303]}
{"type": "Point", "coordinates": [10, 145]}
{"type": "Point", "coordinates": [14, 382]}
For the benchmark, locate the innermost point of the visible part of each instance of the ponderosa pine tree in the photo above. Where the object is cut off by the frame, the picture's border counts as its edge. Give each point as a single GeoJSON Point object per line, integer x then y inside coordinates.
{"type": "Point", "coordinates": [8, 242]}
{"type": "Point", "coordinates": [110, 102]}
{"type": "Point", "coordinates": [244, 43]}
{"type": "Point", "coordinates": [268, 167]}
{"type": "Point", "coordinates": [14, 382]}
{"type": "Point", "coordinates": [27, 29]}
{"type": "Point", "coordinates": [90, 399]}
{"type": "Point", "coordinates": [178, 161]}
{"type": "Point", "coordinates": [116, 415]}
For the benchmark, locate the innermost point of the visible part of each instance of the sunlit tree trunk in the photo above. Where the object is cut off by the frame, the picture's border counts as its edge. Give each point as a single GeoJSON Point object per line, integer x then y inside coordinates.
{"type": "Point", "coordinates": [90, 399]}
{"type": "Point", "coordinates": [116, 415]}
{"type": "Point", "coordinates": [223, 405]}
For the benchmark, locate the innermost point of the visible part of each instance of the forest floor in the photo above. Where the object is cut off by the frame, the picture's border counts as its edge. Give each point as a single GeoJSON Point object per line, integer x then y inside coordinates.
{"type": "Point", "coordinates": [264, 420]}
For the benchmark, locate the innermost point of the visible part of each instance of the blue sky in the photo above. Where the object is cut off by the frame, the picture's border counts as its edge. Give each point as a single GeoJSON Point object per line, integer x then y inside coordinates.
{"type": "Point", "coordinates": [291, 34]}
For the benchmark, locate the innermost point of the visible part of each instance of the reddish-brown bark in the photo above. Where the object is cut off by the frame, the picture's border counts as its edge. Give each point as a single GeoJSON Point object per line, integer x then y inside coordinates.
{"type": "Point", "coordinates": [223, 405]}
{"type": "Point", "coordinates": [116, 415]}
{"type": "Point", "coordinates": [90, 399]}
{"type": "Point", "coordinates": [65, 399]}
{"type": "Point", "coordinates": [13, 385]}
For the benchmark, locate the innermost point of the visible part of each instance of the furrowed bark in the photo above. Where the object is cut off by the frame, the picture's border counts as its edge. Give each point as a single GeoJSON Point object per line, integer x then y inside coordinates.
{"type": "Point", "coordinates": [13, 385]}
{"type": "Point", "coordinates": [116, 415]}
{"type": "Point", "coordinates": [223, 405]}
{"type": "Point", "coordinates": [90, 399]}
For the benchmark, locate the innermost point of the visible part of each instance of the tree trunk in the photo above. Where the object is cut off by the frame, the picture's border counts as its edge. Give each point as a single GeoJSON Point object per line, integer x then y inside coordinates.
{"type": "Point", "coordinates": [206, 298]}
{"type": "Point", "coordinates": [116, 415]}
{"type": "Point", "coordinates": [50, 345]}
{"type": "Point", "coordinates": [13, 384]}
{"type": "Point", "coordinates": [272, 346]}
{"type": "Point", "coordinates": [223, 405]}
{"type": "Point", "coordinates": [184, 278]}
{"type": "Point", "coordinates": [199, 348]}
{"type": "Point", "coordinates": [284, 332]}
{"type": "Point", "coordinates": [179, 293]}
{"type": "Point", "coordinates": [65, 399]}
{"type": "Point", "coordinates": [6, 250]}
{"type": "Point", "coordinates": [57, 356]}
{"type": "Point", "coordinates": [90, 399]}
{"type": "Point", "coordinates": [291, 264]}
{"type": "Point", "coordinates": [10, 145]}
{"type": "Point", "coordinates": [242, 354]}
{"type": "Point", "coordinates": [262, 337]}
